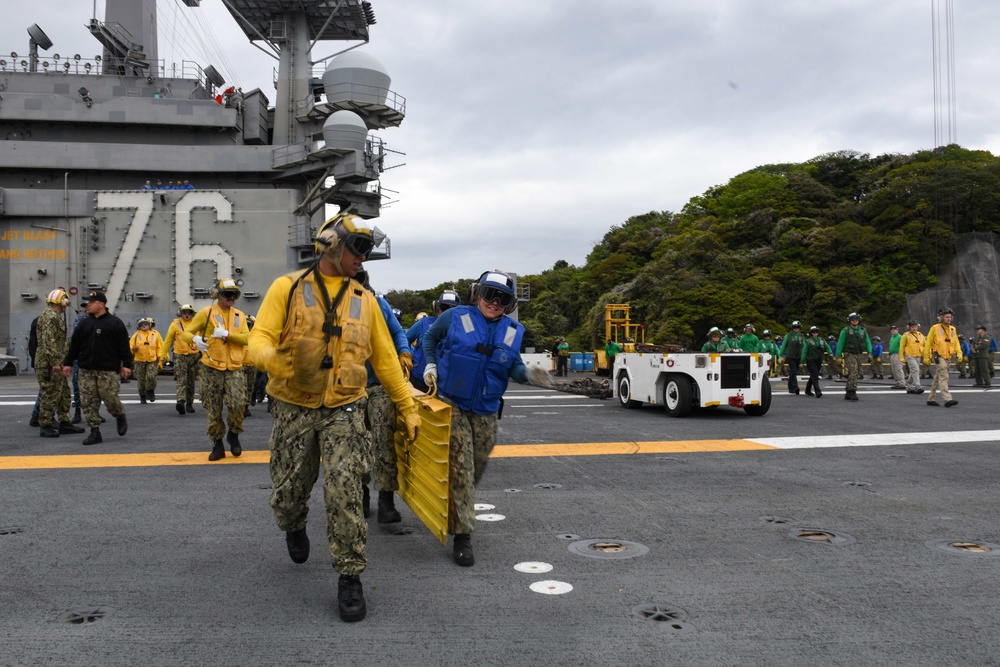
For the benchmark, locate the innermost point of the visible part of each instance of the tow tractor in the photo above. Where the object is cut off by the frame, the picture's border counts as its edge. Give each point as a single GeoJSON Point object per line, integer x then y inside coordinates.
{"type": "Point", "coordinates": [680, 380]}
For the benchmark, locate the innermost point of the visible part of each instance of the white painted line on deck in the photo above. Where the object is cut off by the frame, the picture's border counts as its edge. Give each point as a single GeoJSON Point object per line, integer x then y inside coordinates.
{"type": "Point", "coordinates": [878, 439]}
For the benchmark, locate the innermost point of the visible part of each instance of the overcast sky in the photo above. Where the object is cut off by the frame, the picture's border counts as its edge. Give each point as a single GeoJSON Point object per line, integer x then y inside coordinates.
{"type": "Point", "coordinates": [534, 126]}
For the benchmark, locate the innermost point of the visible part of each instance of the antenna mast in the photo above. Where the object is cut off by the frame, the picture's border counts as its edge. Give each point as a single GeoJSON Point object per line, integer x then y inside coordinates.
{"type": "Point", "coordinates": [943, 71]}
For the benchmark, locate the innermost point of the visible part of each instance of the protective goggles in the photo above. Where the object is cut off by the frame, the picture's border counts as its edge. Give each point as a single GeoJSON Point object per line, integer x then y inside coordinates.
{"type": "Point", "coordinates": [187, 312]}
{"type": "Point", "coordinates": [359, 244]}
{"type": "Point", "coordinates": [495, 294]}
{"type": "Point", "coordinates": [229, 294]}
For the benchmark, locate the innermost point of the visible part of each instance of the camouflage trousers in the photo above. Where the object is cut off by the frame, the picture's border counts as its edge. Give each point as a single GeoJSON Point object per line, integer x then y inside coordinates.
{"type": "Point", "coordinates": [300, 439]}
{"type": "Point", "coordinates": [472, 439]}
{"type": "Point", "coordinates": [381, 415]}
{"type": "Point", "coordinates": [97, 386]}
{"type": "Point", "coordinates": [251, 377]}
{"type": "Point", "coordinates": [145, 374]}
{"type": "Point", "coordinates": [852, 368]}
{"type": "Point", "coordinates": [55, 396]}
{"type": "Point", "coordinates": [223, 389]}
{"type": "Point", "coordinates": [185, 373]}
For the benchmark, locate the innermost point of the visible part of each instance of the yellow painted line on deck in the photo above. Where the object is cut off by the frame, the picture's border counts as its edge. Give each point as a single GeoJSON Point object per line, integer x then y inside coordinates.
{"type": "Point", "coordinates": [605, 448]}
{"type": "Point", "coordinates": [155, 459]}
{"type": "Point", "coordinates": [126, 460]}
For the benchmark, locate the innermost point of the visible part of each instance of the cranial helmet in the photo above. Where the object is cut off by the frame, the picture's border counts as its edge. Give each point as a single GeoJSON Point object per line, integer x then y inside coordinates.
{"type": "Point", "coordinates": [796, 324]}
{"type": "Point", "coordinates": [813, 329]}
{"type": "Point", "coordinates": [251, 320]}
{"type": "Point", "coordinates": [766, 333]}
{"type": "Point", "coordinates": [186, 308]}
{"type": "Point", "coordinates": [749, 328]}
{"type": "Point", "coordinates": [853, 316]}
{"type": "Point", "coordinates": [58, 296]}
{"type": "Point", "coordinates": [225, 285]}
{"type": "Point", "coordinates": [713, 331]}
{"type": "Point", "coordinates": [446, 300]}
{"type": "Point", "coordinates": [421, 315]}
{"type": "Point", "coordinates": [495, 286]}
{"type": "Point", "coordinates": [945, 311]}
{"type": "Point", "coordinates": [146, 321]}
{"type": "Point", "coordinates": [344, 230]}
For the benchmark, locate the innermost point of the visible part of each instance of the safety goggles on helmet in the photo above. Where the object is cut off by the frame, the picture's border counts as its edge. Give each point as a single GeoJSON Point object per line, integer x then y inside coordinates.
{"type": "Point", "coordinates": [229, 294]}
{"type": "Point", "coordinates": [490, 294]}
{"type": "Point", "coordinates": [359, 244]}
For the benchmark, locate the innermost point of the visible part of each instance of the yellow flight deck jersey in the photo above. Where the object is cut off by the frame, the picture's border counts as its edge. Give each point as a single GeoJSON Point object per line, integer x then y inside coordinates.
{"type": "Point", "coordinates": [291, 349]}
{"type": "Point", "coordinates": [174, 338]}
{"type": "Point", "coordinates": [911, 345]}
{"type": "Point", "coordinates": [221, 356]}
{"type": "Point", "coordinates": [145, 345]}
{"type": "Point", "coordinates": [942, 339]}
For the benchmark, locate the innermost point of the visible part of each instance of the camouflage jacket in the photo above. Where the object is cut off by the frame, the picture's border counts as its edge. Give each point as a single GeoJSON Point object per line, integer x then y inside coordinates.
{"type": "Point", "coordinates": [51, 332]}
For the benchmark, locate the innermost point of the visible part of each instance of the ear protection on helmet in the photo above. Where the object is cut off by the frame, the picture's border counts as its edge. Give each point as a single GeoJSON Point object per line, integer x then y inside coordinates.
{"type": "Point", "coordinates": [344, 230]}
{"type": "Point", "coordinates": [225, 285]}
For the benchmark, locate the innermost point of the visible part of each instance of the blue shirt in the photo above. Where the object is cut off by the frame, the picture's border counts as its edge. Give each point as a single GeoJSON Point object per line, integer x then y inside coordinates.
{"type": "Point", "coordinates": [395, 330]}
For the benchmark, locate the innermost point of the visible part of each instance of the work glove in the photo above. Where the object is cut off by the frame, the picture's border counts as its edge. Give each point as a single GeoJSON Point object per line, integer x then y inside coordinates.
{"type": "Point", "coordinates": [412, 421]}
{"type": "Point", "coordinates": [219, 332]}
{"type": "Point", "coordinates": [927, 361]}
{"type": "Point", "coordinates": [431, 375]}
{"type": "Point", "coordinates": [159, 365]}
{"type": "Point", "coordinates": [200, 343]}
{"type": "Point", "coordinates": [406, 363]}
{"type": "Point", "coordinates": [540, 377]}
{"type": "Point", "coordinates": [781, 360]}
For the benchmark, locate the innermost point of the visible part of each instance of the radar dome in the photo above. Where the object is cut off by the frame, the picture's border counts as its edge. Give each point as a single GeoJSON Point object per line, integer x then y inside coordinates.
{"type": "Point", "coordinates": [345, 129]}
{"type": "Point", "coordinates": [356, 77]}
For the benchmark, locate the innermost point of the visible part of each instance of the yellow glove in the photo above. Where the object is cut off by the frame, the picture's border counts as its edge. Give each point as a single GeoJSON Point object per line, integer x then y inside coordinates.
{"type": "Point", "coordinates": [927, 361]}
{"type": "Point", "coordinates": [159, 365]}
{"type": "Point", "coordinates": [406, 363]}
{"type": "Point", "coordinates": [412, 420]}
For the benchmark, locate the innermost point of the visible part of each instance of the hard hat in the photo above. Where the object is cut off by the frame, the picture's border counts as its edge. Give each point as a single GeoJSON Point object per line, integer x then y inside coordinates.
{"type": "Point", "coordinates": [853, 316]}
{"type": "Point", "coordinates": [495, 286]}
{"type": "Point", "coordinates": [446, 300]}
{"type": "Point", "coordinates": [58, 296]}
{"type": "Point", "coordinates": [225, 287]}
{"type": "Point", "coordinates": [344, 230]}
{"type": "Point", "coordinates": [186, 308]}
{"type": "Point", "coordinates": [813, 329]}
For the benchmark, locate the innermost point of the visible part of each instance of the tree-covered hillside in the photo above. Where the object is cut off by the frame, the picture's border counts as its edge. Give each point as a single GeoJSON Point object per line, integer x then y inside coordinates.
{"type": "Point", "coordinates": [813, 241]}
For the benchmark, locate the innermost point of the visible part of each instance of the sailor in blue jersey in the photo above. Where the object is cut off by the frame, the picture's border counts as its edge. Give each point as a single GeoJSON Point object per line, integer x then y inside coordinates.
{"type": "Point", "coordinates": [472, 351]}
{"type": "Point", "coordinates": [445, 300]}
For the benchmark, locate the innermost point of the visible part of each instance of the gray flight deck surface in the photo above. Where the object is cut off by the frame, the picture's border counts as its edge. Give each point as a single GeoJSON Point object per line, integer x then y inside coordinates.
{"type": "Point", "coordinates": [187, 567]}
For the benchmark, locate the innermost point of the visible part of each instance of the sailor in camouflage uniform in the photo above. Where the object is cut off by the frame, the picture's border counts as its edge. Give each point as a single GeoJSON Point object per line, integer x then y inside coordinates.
{"type": "Point", "coordinates": [100, 347]}
{"type": "Point", "coordinates": [220, 332]}
{"type": "Point", "coordinates": [315, 329]}
{"type": "Point", "coordinates": [51, 348]}
{"type": "Point", "coordinates": [185, 359]}
{"type": "Point", "coordinates": [472, 352]}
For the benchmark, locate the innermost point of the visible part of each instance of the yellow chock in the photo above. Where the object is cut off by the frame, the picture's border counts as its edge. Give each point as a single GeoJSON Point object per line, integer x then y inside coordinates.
{"type": "Point", "coordinates": [422, 466]}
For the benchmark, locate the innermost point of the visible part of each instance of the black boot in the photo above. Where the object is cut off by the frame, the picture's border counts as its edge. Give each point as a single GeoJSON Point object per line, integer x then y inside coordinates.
{"type": "Point", "coordinates": [49, 431]}
{"type": "Point", "coordinates": [67, 427]}
{"type": "Point", "coordinates": [77, 417]}
{"type": "Point", "coordinates": [122, 424]}
{"type": "Point", "coordinates": [189, 407]}
{"type": "Point", "coordinates": [218, 451]}
{"type": "Point", "coordinates": [351, 598]}
{"type": "Point", "coordinates": [298, 545]}
{"type": "Point", "coordinates": [234, 443]}
{"type": "Point", "coordinates": [33, 422]}
{"type": "Point", "coordinates": [94, 437]}
{"type": "Point", "coordinates": [387, 512]}
{"type": "Point", "coordinates": [366, 501]}
{"type": "Point", "coordinates": [151, 395]}
{"type": "Point", "coordinates": [246, 410]}
{"type": "Point", "coordinates": [180, 407]}
{"type": "Point", "coordinates": [142, 398]}
{"type": "Point", "coordinates": [462, 550]}
{"type": "Point", "coordinates": [854, 395]}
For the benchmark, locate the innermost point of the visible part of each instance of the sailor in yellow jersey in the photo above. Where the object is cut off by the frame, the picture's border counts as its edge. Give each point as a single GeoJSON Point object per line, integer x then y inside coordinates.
{"type": "Point", "coordinates": [939, 347]}
{"type": "Point", "coordinates": [185, 358]}
{"type": "Point", "coordinates": [220, 333]}
{"type": "Point", "coordinates": [314, 331]}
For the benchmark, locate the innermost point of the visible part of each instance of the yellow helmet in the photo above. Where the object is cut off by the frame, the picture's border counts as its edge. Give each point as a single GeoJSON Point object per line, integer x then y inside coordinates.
{"type": "Point", "coordinates": [251, 320]}
{"type": "Point", "coordinates": [421, 315]}
{"type": "Point", "coordinates": [186, 308]}
{"type": "Point", "coordinates": [226, 286]}
{"type": "Point", "coordinates": [144, 320]}
{"type": "Point", "coordinates": [58, 296]}
{"type": "Point", "coordinates": [344, 230]}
